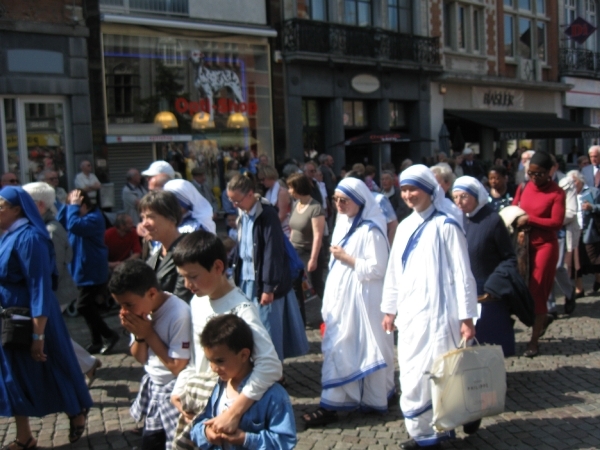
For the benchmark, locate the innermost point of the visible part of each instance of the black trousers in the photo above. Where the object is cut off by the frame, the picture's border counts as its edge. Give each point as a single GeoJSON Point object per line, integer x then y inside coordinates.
{"type": "Point", "coordinates": [154, 440]}
{"type": "Point", "coordinates": [88, 308]}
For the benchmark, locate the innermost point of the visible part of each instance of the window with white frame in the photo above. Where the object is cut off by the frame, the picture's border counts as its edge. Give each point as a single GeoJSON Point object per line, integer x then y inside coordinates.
{"type": "Point", "coordinates": [525, 29]}
{"type": "Point", "coordinates": [464, 26]}
{"type": "Point", "coordinates": [170, 52]}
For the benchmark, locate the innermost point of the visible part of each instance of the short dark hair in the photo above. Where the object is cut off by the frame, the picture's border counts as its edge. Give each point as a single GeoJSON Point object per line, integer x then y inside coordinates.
{"type": "Point", "coordinates": [501, 170]}
{"type": "Point", "coordinates": [121, 219]}
{"type": "Point", "coordinates": [133, 276]}
{"type": "Point", "coordinates": [164, 203]}
{"type": "Point", "coordinates": [355, 174]}
{"type": "Point", "coordinates": [200, 247]}
{"type": "Point", "coordinates": [228, 330]}
{"type": "Point", "coordinates": [300, 183]}
{"type": "Point", "coordinates": [197, 171]}
{"type": "Point", "coordinates": [86, 200]}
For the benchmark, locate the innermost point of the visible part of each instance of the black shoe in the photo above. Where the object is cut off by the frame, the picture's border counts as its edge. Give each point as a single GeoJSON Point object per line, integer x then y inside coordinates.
{"type": "Point", "coordinates": [94, 349]}
{"type": "Point", "coordinates": [596, 286]}
{"type": "Point", "coordinates": [579, 295]}
{"type": "Point", "coordinates": [472, 427]}
{"type": "Point", "coordinates": [109, 344]}
{"type": "Point", "coordinates": [412, 445]}
{"type": "Point", "coordinates": [570, 305]}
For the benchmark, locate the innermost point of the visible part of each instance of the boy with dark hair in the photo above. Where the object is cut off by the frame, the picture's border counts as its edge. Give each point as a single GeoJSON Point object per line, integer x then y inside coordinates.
{"type": "Point", "coordinates": [227, 343]}
{"type": "Point", "coordinates": [160, 327]}
{"type": "Point", "coordinates": [201, 259]}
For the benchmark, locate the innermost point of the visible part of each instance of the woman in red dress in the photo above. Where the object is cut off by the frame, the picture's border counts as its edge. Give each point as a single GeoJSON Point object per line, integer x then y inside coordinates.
{"type": "Point", "coordinates": [544, 204]}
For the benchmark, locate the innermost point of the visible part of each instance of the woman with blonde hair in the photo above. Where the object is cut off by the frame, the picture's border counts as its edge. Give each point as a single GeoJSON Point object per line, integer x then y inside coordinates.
{"type": "Point", "coordinates": [277, 195]}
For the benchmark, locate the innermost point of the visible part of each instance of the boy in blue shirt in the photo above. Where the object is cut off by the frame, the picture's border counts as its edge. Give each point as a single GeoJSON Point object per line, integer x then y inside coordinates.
{"type": "Point", "coordinates": [269, 423]}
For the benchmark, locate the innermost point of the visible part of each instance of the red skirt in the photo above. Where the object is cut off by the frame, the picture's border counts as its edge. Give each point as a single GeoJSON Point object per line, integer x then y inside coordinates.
{"type": "Point", "coordinates": [543, 258]}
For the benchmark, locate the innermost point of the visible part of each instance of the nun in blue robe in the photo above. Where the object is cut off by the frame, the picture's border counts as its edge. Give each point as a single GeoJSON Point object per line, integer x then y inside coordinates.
{"type": "Point", "coordinates": [489, 247]}
{"type": "Point", "coordinates": [29, 386]}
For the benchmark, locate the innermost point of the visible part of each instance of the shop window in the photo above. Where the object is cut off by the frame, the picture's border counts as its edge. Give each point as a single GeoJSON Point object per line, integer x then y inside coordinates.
{"type": "Point", "coordinates": [355, 114]}
{"type": "Point", "coordinates": [463, 26]}
{"type": "Point", "coordinates": [400, 16]}
{"type": "Point", "coordinates": [397, 115]}
{"type": "Point", "coordinates": [525, 25]}
{"type": "Point", "coordinates": [312, 9]}
{"type": "Point", "coordinates": [358, 12]}
{"type": "Point", "coordinates": [217, 85]}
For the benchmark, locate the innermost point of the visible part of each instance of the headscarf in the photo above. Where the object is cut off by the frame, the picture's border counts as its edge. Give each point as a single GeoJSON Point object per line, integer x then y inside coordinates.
{"type": "Point", "coordinates": [17, 196]}
{"type": "Point", "coordinates": [369, 210]}
{"type": "Point", "coordinates": [474, 188]}
{"type": "Point", "coordinates": [421, 177]}
{"type": "Point", "coordinates": [190, 199]}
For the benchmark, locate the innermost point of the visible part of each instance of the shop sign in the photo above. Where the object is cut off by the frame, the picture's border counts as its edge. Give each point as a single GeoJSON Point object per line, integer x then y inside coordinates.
{"type": "Point", "coordinates": [513, 135]}
{"type": "Point", "coordinates": [497, 99]}
{"type": "Point", "coordinates": [365, 83]}
{"type": "Point", "coordinates": [221, 106]}
{"type": "Point", "coordinates": [580, 30]}
{"type": "Point", "coordinates": [156, 138]}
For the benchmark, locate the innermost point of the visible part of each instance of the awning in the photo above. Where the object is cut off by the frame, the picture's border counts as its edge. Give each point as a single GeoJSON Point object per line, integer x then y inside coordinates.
{"type": "Point", "coordinates": [381, 137]}
{"type": "Point", "coordinates": [524, 125]}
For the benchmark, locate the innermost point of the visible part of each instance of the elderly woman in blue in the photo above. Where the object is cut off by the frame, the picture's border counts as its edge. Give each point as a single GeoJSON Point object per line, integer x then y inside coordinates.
{"type": "Point", "coordinates": [351, 311]}
{"type": "Point", "coordinates": [46, 378]}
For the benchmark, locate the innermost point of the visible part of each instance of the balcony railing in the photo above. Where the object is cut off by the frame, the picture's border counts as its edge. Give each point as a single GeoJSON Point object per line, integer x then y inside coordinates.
{"type": "Point", "coordinates": [161, 7]}
{"type": "Point", "coordinates": [364, 42]}
{"type": "Point", "coordinates": [579, 61]}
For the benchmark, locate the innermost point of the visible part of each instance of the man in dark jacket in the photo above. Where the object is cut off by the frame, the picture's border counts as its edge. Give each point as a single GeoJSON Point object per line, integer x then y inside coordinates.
{"type": "Point", "coordinates": [262, 268]}
{"type": "Point", "coordinates": [471, 166]}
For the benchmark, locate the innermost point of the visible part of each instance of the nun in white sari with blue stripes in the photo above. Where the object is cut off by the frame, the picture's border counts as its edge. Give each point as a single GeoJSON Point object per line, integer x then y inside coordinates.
{"type": "Point", "coordinates": [358, 356]}
{"type": "Point", "coordinates": [429, 294]}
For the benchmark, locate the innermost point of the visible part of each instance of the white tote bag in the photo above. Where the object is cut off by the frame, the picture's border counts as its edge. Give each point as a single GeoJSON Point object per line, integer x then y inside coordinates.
{"type": "Point", "coordinates": [467, 384]}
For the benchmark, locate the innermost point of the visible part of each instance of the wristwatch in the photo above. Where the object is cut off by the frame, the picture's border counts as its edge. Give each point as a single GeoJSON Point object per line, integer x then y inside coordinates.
{"type": "Point", "coordinates": [38, 337]}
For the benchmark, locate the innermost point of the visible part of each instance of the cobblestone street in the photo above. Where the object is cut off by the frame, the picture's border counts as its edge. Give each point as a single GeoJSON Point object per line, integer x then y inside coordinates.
{"type": "Point", "coordinates": [553, 401]}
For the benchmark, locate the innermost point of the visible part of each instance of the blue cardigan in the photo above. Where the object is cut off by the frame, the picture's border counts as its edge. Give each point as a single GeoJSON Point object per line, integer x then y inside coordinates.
{"type": "Point", "coordinates": [90, 256]}
{"type": "Point", "coordinates": [269, 423]}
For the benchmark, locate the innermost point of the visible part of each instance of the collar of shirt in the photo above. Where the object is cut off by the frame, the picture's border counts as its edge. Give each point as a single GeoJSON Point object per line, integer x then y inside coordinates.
{"type": "Point", "coordinates": [18, 223]}
{"type": "Point", "coordinates": [252, 213]}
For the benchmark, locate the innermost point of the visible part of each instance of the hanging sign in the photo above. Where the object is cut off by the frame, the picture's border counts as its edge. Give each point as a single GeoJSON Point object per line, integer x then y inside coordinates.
{"type": "Point", "coordinates": [580, 30]}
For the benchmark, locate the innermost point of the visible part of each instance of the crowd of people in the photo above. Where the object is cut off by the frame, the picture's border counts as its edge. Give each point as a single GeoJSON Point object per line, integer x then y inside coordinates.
{"type": "Point", "coordinates": [439, 254]}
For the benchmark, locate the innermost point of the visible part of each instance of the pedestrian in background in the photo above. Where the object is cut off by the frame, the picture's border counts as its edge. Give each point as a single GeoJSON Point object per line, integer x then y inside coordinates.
{"type": "Point", "coordinates": [89, 267]}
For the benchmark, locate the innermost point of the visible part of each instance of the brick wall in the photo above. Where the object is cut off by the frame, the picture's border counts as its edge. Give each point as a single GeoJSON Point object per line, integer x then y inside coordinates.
{"type": "Point", "coordinates": [42, 11]}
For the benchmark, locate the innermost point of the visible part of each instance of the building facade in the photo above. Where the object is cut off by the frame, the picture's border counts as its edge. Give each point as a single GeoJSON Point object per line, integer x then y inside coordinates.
{"type": "Point", "coordinates": [44, 91]}
{"type": "Point", "coordinates": [501, 88]}
{"type": "Point", "coordinates": [345, 68]}
{"type": "Point", "coordinates": [579, 64]}
{"type": "Point", "coordinates": [187, 81]}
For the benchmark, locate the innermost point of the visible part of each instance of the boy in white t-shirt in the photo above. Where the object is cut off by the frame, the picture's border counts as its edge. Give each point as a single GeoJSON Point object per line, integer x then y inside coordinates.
{"type": "Point", "coordinates": [160, 327]}
{"type": "Point", "coordinates": [201, 259]}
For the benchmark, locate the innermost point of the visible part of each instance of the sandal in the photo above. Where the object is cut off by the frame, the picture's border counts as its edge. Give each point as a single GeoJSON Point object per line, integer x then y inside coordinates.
{"type": "Point", "coordinates": [319, 417]}
{"type": "Point", "coordinates": [530, 353]}
{"type": "Point", "coordinates": [76, 431]}
{"type": "Point", "coordinates": [21, 445]}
